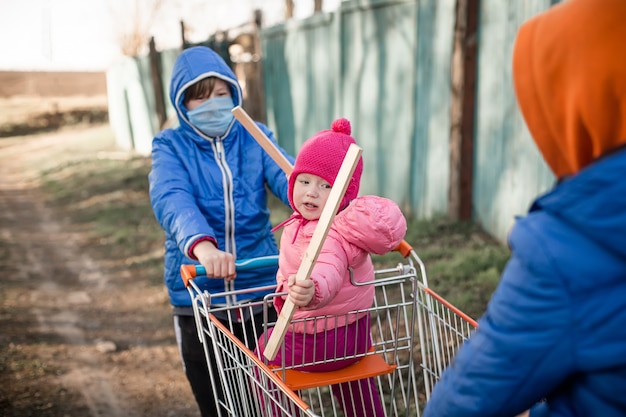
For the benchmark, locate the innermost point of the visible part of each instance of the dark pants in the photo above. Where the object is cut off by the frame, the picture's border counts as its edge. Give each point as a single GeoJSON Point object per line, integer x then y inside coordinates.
{"type": "Point", "coordinates": [196, 368]}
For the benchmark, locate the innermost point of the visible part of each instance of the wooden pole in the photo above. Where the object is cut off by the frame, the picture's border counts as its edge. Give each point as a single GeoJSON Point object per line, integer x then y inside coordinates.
{"type": "Point", "coordinates": [346, 170]}
{"type": "Point", "coordinates": [157, 84]}
{"type": "Point", "coordinates": [265, 142]}
{"type": "Point", "coordinates": [183, 40]}
{"type": "Point", "coordinates": [462, 109]}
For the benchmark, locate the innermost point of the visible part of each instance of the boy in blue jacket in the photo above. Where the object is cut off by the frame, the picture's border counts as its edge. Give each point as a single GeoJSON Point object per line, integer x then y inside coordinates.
{"type": "Point", "coordinates": [208, 189]}
{"type": "Point", "coordinates": [553, 339]}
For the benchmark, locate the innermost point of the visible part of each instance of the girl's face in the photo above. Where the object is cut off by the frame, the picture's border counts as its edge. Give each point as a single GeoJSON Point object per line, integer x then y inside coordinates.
{"type": "Point", "coordinates": [310, 194]}
{"type": "Point", "coordinates": [220, 89]}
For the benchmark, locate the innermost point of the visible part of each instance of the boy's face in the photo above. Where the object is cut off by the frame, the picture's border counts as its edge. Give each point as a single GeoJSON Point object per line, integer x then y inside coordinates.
{"type": "Point", "coordinates": [220, 89]}
{"type": "Point", "coordinates": [310, 194]}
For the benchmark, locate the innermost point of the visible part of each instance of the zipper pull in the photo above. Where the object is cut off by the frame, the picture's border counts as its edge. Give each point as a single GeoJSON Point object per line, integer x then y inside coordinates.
{"type": "Point", "coordinates": [220, 149]}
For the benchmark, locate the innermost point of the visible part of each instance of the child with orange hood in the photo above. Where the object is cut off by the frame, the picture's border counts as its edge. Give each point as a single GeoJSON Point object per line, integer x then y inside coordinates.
{"type": "Point", "coordinates": [553, 338]}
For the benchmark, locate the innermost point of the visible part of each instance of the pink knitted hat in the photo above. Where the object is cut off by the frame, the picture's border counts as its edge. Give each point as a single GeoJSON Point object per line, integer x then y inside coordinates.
{"type": "Point", "coordinates": [322, 155]}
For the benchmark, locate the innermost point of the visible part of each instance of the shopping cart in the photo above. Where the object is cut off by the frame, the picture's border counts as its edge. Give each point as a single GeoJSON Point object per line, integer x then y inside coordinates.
{"type": "Point", "coordinates": [414, 331]}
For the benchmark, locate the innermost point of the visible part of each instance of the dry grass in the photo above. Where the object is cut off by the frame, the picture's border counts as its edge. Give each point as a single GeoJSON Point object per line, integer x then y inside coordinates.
{"type": "Point", "coordinates": [22, 115]}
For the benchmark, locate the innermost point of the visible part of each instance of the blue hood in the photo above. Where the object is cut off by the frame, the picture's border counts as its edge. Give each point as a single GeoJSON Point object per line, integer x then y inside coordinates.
{"type": "Point", "coordinates": [193, 65]}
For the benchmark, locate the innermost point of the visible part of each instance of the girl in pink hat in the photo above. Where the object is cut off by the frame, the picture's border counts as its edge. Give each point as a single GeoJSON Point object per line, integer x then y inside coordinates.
{"type": "Point", "coordinates": [363, 225]}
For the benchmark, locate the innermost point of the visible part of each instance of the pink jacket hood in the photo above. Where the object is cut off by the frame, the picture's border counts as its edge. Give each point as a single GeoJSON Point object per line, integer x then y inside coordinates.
{"type": "Point", "coordinates": [370, 224]}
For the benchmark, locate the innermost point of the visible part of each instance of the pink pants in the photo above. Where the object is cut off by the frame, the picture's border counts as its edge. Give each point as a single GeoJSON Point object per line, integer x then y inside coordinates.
{"type": "Point", "coordinates": [356, 398]}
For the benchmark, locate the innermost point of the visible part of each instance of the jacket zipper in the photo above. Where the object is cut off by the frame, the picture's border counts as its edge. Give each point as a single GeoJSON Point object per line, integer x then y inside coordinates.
{"type": "Point", "coordinates": [229, 206]}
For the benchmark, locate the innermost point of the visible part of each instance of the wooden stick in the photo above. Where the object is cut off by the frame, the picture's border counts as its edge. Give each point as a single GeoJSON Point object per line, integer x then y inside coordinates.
{"type": "Point", "coordinates": [265, 142]}
{"type": "Point", "coordinates": [315, 246]}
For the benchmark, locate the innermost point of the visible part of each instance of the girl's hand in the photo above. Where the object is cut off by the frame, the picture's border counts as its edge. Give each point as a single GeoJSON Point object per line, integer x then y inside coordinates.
{"type": "Point", "coordinates": [217, 264]}
{"type": "Point", "coordinates": [300, 292]}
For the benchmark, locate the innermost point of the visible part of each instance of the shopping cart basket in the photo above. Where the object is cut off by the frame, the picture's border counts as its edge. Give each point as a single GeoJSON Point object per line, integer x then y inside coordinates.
{"type": "Point", "coordinates": [411, 327]}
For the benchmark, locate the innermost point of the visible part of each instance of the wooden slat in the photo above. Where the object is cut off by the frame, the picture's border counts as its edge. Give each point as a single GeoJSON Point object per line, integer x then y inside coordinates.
{"type": "Point", "coordinates": [265, 142]}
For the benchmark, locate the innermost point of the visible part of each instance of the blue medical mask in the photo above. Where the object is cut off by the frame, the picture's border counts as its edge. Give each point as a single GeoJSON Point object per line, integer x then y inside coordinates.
{"type": "Point", "coordinates": [213, 116]}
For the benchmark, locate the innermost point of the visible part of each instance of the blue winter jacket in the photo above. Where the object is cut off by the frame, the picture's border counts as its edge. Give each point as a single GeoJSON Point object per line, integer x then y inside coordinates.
{"type": "Point", "coordinates": [554, 334]}
{"type": "Point", "coordinates": [212, 187]}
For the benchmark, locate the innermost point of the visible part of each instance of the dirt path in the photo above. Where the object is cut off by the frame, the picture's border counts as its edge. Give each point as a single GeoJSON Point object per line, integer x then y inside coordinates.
{"type": "Point", "coordinates": [75, 340]}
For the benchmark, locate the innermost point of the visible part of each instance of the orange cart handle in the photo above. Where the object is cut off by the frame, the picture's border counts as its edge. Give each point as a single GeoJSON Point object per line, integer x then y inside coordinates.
{"type": "Point", "coordinates": [404, 248]}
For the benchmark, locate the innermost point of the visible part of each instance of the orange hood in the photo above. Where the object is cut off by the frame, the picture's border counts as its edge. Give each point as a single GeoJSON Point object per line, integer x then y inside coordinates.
{"type": "Point", "coordinates": [569, 71]}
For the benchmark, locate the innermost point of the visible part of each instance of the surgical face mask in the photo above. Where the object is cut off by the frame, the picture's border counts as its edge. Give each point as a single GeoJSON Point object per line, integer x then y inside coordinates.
{"type": "Point", "coordinates": [213, 116]}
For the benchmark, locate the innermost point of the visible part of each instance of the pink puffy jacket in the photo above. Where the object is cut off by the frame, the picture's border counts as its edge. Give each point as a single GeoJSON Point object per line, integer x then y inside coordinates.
{"type": "Point", "coordinates": [370, 224]}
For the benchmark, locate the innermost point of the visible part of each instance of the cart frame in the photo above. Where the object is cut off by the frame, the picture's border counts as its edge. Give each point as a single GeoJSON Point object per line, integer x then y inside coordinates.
{"type": "Point", "coordinates": [412, 327]}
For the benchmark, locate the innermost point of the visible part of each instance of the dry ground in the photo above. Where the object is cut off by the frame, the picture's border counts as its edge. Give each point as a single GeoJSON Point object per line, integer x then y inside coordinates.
{"type": "Point", "coordinates": [78, 335]}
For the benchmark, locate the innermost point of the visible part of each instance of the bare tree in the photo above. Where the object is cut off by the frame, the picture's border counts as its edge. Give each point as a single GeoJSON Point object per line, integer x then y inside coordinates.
{"type": "Point", "coordinates": [289, 5]}
{"type": "Point", "coordinates": [134, 20]}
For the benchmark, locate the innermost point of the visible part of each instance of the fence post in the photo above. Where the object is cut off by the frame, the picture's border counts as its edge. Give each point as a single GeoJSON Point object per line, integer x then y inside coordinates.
{"type": "Point", "coordinates": [256, 92]}
{"type": "Point", "coordinates": [157, 84]}
{"type": "Point", "coordinates": [462, 109]}
{"type": "Point", "coordinates": [183, 39]}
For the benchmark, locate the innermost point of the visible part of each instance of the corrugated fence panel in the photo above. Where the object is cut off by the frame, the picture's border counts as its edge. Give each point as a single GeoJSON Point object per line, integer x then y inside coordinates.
{"type": "Point", "coordinates": [143, 142]}
{"type": "Point", "coordinates": [131, 105]}
{"type": "Point", "coordinates": [430, 171]}
{"type": "Point", "coordinates": [277, 83]}
{"type": "Point", "coordinates": [383, 64]}
{"type": "Point", "coordinates": [167, 60]}
{"type": "Point", "coordinates": [509, 171]}
{"type": "Point", "coordinates": [300, 84]}
{"type": "Point", "coordinates": [377, 91]}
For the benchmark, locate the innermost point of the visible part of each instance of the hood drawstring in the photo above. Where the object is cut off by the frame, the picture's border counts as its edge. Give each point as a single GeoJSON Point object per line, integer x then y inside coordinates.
{"type": "Point", "coordinates": [293, 217]}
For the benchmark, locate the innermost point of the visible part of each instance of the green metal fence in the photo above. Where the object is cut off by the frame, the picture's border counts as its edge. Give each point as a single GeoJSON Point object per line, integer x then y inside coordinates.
{"type": "Point", "coordinates": [386, 66]}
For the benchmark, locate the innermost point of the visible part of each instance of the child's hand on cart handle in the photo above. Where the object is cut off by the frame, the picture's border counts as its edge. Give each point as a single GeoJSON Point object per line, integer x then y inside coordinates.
{"type": "Point", "coordinates": [301, 292]}
{"type": "Point", "coordinates": [217, 264]}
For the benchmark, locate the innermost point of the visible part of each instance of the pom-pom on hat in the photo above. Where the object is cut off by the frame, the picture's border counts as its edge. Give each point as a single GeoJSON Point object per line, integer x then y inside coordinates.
{"type": "Point", "coordinates": [322, 155]}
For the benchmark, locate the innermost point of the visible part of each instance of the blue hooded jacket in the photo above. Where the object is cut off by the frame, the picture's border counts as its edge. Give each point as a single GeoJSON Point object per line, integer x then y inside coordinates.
{"type": "Point", "coordinates": [205, 187]}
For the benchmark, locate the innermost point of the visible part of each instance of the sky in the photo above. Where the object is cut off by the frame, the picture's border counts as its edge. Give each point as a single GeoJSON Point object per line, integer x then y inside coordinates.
{"type": "Point", "coordinates": [82, 35]}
